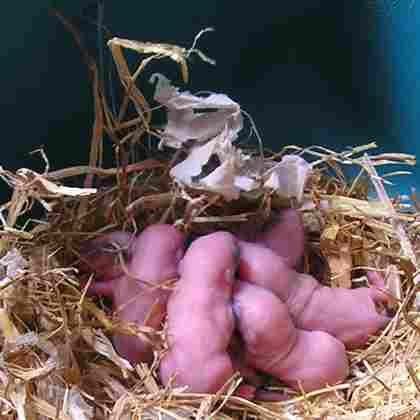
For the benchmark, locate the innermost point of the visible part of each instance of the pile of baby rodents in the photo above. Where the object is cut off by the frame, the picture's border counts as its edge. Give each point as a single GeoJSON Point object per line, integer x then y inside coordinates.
{"type": "Point", "coordinates": [237, 306]}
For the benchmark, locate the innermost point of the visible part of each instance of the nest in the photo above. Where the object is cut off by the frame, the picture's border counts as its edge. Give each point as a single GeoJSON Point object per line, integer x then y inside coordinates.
{"type": "Point", "coordinates": [57, 360]}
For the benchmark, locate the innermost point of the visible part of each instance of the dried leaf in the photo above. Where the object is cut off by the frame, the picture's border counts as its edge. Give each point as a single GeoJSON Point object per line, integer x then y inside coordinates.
{"type": "Point", "coordinates": [359, 208]}
{"type": "Point", "coordinates": [34, 373]}
{"type": "Point", "coordinates": [45, 187]}
{"type": "Point", "coordinates": [159, 50]}
{"type": "Point", "coordinates": [193, 164]}
{"type": "Point", "coordinates": [340, 266]}
{"type": "Point", "coordinates": [197, 118]}
{"type": "Point", "coordinates": [393, 284]}
{"type": "Point", "coordinates": [76, 407]}
{"type": "Point", "coordinates": [222, 180]}
{"type": "Point", "coordinates": [48, 410]}
{"type": "Point", "coordinates": [406, 246]}
{"type": "Point", "coordinates": [7, 327]}
{"type": "Point", "coordinates": [245, 183]}
{"type": "Point", "coordinates": [18, 396]}
{"type": "Point", "coordinates": [14, 263]}
{"type": "Point", "coordinates": [100, 342]}
{"type": "Point", "coordinates": [330, 233]}
{"type": "Point", "coordinates": [288, 178]}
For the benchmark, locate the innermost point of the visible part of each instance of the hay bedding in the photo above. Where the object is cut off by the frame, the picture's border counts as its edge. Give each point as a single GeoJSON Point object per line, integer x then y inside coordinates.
{"type": "Point", "coordinates": [57, 360]}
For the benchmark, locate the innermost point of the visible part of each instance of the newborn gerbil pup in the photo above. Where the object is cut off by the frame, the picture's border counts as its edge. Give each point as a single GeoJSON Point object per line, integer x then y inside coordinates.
{"type": "Point", "coordinates": [351, 315]}
{"type": "Point", "coordinates": [153, 259]}
{"type": "Point", "coordinates": [307, 359]}
{"type": "Point", "coordinates": [200, 317]}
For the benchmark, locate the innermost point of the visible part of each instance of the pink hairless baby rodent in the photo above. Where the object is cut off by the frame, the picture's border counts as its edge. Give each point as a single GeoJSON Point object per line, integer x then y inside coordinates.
{"type": "Point", "coordinates": [153, 259]}
{"type": "Point", "coordinates": [232, 291]}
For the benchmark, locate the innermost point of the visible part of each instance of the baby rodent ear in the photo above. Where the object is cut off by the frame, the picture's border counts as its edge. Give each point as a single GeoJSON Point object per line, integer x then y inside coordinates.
{"type": "Point", "coordinates": [285, 236]}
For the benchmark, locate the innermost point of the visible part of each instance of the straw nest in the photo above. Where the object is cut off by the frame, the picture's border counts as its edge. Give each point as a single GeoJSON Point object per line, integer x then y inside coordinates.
{"type": "Point", "coordinates": [57, 360]}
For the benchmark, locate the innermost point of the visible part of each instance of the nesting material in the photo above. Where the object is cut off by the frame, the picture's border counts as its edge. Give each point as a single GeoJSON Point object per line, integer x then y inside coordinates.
{"type": "Point", "coordinates": [57, 360]}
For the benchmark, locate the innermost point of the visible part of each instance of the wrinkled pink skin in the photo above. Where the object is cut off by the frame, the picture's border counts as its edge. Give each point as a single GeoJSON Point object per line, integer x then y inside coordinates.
{"type": "Point", "coordinates": [153, 258]}
{"type": "Point", "coordinates": [200, 316]}
{"type": "Point", "coordinates": [348, 315]}
{"type": "Point", "coordinates": [312, 358]}
{"type": "Point", "coordinates": [291, 326]}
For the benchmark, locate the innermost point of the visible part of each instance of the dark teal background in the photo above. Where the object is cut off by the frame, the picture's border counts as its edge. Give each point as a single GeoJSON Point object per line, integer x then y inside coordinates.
{"type": "Point", "coordinates": [309, 72]}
